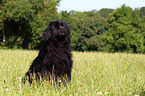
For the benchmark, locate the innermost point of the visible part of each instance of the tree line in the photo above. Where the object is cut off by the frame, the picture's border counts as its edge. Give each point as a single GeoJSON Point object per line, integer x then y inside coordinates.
{"type": "Point", "coordinates": [121, 30]}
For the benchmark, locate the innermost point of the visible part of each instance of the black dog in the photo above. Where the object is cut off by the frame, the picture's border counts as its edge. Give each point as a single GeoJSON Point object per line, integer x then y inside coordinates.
{"type": "Point", "coordinates": [54, 57]}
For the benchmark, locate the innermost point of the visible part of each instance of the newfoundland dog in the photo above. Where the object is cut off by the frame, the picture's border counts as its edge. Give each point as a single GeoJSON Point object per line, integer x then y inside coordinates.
{"type": "Point", "coordinates": [54, 58]}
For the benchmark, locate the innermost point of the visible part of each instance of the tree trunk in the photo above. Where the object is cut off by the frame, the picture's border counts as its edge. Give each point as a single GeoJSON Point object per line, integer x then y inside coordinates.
{"type": "Point", "coordinates": [14, 41]}
{"type": "Point", "coordinates": [26, 41]}
{"type": "Point", "coordinates": [4, 37]}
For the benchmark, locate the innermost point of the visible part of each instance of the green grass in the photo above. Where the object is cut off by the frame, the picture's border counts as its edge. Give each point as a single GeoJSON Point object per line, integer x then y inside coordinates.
{"type": "Point", "coordinates": [93, 73]}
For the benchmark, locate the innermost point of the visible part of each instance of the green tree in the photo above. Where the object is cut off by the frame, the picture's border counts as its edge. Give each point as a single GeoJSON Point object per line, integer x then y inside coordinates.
{"type": "Point", "coordinates": [143, 29]}
{"type": "Point", "coordinates": [142, 11]}
{"type": "Point", "coordinates": [105, 12]}
{"type": "Point", "coordinates": [22, 21]}
{"type": "Point", "coordinates": [86, 30]}
{"type": "Point", "coordinates": [123, 32]}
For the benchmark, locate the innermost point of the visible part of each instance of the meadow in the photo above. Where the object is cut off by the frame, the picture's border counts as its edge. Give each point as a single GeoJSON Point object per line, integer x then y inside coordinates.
{"type": "Point", "coordinates": [93, 73]}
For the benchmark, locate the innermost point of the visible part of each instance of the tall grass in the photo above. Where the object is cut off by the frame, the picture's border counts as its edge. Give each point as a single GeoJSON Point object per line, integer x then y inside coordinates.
{"type": "Point", "coordinates": [93, 73]}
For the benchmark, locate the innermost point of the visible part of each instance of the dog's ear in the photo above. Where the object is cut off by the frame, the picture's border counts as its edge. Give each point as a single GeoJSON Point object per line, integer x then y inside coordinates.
{"type": "Point", "coordinates": [47, 32]}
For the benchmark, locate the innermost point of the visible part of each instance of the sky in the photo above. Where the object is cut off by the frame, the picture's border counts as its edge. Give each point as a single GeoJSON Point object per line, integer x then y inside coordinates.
{"type": "Point", "coordinates": [88, 5]}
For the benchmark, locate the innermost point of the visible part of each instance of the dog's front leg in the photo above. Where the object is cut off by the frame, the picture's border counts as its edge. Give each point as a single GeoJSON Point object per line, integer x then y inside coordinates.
{"type": "Point", "coordinates": [68, 77]}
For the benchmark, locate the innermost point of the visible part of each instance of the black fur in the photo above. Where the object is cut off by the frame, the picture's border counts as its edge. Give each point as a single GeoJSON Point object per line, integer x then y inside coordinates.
{"type": "Point", "coordinates": [54, 57]}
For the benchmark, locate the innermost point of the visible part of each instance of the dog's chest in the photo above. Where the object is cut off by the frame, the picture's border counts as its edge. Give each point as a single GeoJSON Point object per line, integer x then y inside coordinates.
{"type": "Point", "coordinates": [58, 52]}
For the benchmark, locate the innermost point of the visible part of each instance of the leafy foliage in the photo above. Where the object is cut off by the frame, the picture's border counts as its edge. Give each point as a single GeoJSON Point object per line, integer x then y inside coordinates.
{"type": "Point", "coordinates": [142, 11]}
{"type": "Point", "coordinates": [120, 30]}
{"type": "Point", "coordinates": [123, 33]}
{"type": "Point", "coordinates": [21, 20]}
{"type": "Point", "coordinates": [105, 12]}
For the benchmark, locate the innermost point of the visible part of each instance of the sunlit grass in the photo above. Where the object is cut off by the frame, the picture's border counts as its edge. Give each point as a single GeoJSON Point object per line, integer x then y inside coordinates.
{"type": "Point", "coordinates": [93, 73]}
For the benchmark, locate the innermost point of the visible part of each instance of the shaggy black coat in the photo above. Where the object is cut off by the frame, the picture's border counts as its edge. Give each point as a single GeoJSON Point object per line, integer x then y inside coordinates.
{"type": "Point", "coordinates": [54, 57]}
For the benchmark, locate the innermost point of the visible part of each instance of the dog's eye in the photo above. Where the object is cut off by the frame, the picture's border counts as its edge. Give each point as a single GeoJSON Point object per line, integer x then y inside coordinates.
{"type": "Point", "coordinates": [56, 27]}
{"type": "Point", "coordinates": [62, 24]}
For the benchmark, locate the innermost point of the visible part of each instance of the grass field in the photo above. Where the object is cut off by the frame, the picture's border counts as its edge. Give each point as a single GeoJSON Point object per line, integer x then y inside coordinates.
{"type": "Point", "coordinates": [93, 73]}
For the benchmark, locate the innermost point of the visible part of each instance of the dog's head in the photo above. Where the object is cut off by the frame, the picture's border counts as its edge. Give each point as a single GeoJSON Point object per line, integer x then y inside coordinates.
{"type": "Point", "coordinates": [57, 30]}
